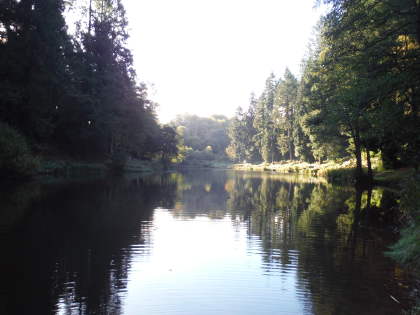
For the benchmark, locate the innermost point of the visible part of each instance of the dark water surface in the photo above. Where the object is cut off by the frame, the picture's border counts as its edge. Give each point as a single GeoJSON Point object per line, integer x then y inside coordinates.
{"type": "Point", "coordinates": [203, 242]}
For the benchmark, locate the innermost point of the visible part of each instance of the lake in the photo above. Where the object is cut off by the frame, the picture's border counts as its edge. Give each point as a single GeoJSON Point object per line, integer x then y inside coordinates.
{"type": "Point", "coordinates": [198, 242]}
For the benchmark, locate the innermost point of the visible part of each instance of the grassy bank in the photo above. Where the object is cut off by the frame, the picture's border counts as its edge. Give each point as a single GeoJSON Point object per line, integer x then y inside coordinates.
{"type": "Point", "coordinates": [313, 169]}
{"type": "Point", "coordinates": [333, 171]}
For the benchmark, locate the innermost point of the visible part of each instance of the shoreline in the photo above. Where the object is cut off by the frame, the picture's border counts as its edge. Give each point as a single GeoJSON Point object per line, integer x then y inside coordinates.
{"type": "Point", "coordinates": [334, 172]}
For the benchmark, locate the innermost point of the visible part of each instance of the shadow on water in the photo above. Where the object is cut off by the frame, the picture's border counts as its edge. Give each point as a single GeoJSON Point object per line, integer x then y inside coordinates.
{"type": "Point", "coordinates": [69, 246]}
{"type": "Point", "coordinates": [73, 246]}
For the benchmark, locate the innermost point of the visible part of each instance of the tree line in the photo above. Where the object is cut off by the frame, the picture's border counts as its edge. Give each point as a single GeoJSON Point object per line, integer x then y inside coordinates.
{"type": "Point", "coordinates": [75, 94]}
{"type": "Point", "coordinates": [358, 93]}
{"type": "Point", "coordinates": [201, 140]}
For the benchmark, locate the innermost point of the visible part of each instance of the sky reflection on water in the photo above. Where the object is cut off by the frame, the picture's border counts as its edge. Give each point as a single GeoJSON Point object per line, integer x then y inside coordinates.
{"type": "Point", "coordinates": [205, 242]}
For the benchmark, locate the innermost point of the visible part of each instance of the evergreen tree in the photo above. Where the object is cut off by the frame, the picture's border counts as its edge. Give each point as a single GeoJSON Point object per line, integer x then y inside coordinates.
{"type": "Point", "coordinates": [325, 141]}
{"type": "Point", "coordinates": [264, 122]}
{"type": "Point", "coordinates": [73, 94]}
{"type": "Point", "coordinates": [117, 114]}
{"type": "Point", "coordinates": [237, 134]}
{"type": "Point", "coordinates": [33, 65]}
{"type": "Point", "coordinates": [285, 114]}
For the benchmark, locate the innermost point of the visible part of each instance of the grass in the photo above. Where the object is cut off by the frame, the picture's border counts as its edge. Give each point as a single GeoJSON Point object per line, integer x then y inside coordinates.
{"type": "Point", "coordinates": [334, 171]}
{"type": "Point", "coordinates": [313, 169]}
{"type": "Point", "coordinates": [290, 178]}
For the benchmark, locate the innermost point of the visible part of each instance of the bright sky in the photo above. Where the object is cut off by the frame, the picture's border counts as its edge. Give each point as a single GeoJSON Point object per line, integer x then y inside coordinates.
{"type": "Point", "coordinates": [206, 56]}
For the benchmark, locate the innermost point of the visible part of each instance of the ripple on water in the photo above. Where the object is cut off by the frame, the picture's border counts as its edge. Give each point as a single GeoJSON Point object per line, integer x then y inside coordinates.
{"type": "Point", "coordinates": [198, 243]}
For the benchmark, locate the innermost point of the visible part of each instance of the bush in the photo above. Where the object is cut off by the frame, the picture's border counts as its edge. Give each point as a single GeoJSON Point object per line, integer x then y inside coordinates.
{"type": "Point", "coordinates": [407, 249]}
{"type": "Point", "coordinates": [16, 159]}
{"type": "Point", "coordinates": [340, 175]}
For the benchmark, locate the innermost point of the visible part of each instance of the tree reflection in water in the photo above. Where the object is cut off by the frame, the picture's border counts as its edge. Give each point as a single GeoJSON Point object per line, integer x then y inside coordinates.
{"type": "Point", "coordinates": [70, 247]}
{"type": "Point", "coordinates": [74, 246]}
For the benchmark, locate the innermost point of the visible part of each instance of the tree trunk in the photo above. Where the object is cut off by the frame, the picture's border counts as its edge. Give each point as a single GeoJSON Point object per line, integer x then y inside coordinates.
{"type": "Point", "coordinates": [368, 206]}
{"type": "Point", "coordinates": [291, 150]}
{"type": "Point", "coordinates": [417, 4]}
{"type": "Point", "coordinates": [289, 145]}
{"type": "Point", "coordinates": [369, 165]}
{"type": "Point", "coordinates": [358, 154]}
{"type": "Point", "coordinates": [358, 205]}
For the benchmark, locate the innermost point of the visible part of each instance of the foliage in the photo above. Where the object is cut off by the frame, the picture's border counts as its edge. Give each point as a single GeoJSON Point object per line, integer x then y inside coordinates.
{"type": "Point", "coordinates": [243, 136]}
{"type": "Point", "coordinates": [168, 144]}
{"type": "Point", "coordinates": [33, 60]}
{"type": "Point", "coordinates": [264, 122]}
{"type": "Point", "coordinates": [201, 140]}
{"type": "Point", "coordinates": [270, 129]}
{"type": "Point", "coordinates": [407, 249]}
{"type": "Point", "coordinates": [74, 95]}
{"type": "Point", "coordinates": [200, 132]}
{"type": "Point", "coordinates": [203, 158]}
{"type": "Point", "coordinates": [16, 159]}
{"type": "Point", "coordinates": [358, 93]}
{"type": "Point", "coordinates": [285, 115]}
{"type": "Point", "coordinates": [340, 175]}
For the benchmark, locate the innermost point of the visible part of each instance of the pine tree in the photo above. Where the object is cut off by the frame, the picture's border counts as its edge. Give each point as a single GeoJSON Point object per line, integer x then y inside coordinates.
{"type": "Point", "coordinates": [285, 114]}
{"type": "Point", "coordinates": [34, 68]}
{"type": "Point", "coordinates": [264, 122]}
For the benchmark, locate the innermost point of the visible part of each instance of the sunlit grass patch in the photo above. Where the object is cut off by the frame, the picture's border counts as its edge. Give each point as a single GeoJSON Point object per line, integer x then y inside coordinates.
{"type": "Point", "coordinates": [335, 171]}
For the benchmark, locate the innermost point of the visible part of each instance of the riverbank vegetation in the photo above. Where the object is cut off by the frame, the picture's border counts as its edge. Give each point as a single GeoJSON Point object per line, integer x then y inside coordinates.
{"type": "Point", "coordinates": [72, 102]}
{"type": "Point", "coordinates": [407, 250]}
{"type": "Point", "coordinates": [339, 172]}
{"type": "Point", "coordinates": [357, 100]}
{"type": "Point", "coordinates": [358, 94]}
{"type": "Point", "coordinates": [326, 169]}
{"type": "Point", "coordinates": [73, 96]}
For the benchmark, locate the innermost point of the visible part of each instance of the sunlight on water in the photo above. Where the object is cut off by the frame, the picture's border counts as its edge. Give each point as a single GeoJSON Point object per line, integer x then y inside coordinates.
{"type": "Point", "coordinates": [205, 266]}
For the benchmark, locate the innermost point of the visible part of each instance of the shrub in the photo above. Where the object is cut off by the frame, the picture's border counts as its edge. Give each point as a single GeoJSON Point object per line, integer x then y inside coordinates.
{"type": "Point", "coordinates": [16, 159]}
{"type": "Point", "coordinates": [407, 249]}
{"type": "Point", "coordinates": [340, 175]}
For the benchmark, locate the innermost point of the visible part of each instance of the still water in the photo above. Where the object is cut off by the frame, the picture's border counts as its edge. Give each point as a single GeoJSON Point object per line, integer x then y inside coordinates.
{"type": "Point", "coordinates": [202, 242]}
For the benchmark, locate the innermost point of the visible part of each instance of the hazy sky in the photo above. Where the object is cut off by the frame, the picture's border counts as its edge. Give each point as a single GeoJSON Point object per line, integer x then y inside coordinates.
{"type": "Point", "coordinates": [207, 56]}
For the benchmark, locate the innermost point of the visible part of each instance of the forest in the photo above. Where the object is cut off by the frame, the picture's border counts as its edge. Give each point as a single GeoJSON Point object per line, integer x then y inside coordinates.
{"type": "Point", "coordinates": [76, 94]}
{"type": "Point", "coordinates": [202, 141]}
{"type": "Point", "coordinates": [73, 95]}
{"type": "Point", "coordinates": [357, 99]}
{"type": "Point", "coordinates": [358, 94]}
{"type": "Point", "coordinates": [70, 92]}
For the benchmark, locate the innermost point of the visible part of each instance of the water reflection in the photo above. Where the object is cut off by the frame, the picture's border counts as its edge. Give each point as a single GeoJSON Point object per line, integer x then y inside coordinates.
{"type": "Point", "coordinates": [73, 247]}
{"type": "Point", "coordinates": [199, 243]}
